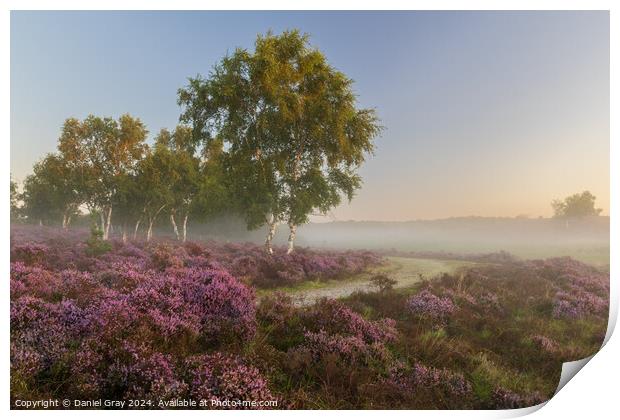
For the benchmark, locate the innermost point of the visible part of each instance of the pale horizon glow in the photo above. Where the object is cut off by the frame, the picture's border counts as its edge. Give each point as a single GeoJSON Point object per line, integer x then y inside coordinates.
{"type": "Point", "coordinates": [486, 113]}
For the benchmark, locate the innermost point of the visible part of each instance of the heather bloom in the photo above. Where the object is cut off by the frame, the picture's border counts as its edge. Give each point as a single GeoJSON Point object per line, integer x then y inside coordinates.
{"type": "Point", "coordinates": [164, 256]}
{"type": "Point", "coordinates": [123, 275]}
{"type": "Point", "coordinates": [34, 280]}
{"type": "Point", "coordinates": [563, 308]}
{"type": "Point", "coordinates": [545, 343]}
{"type": "Point", "coordinates": [335, 330]}
{"type": "Point", "coordinates": [489, 301]}
{"type": "Point", "coordinates": [505, 399]}
{"type": "Point", "coordinates": [44, 330]}
{"type": "Point", "coordinates": [350, 349]}
{"type": "Point", "coordinates": [335, 317]}
{"type": "Point", "coordinates": [427, 305]}
{"type": "Point", "coordinates": [578, 304]}
{"type": "Point", "coordinates": [276, 309]}
{"type": "Point", "coordinates": [161, 303]}
{"type": "Point", "coordinates": [225, 305]}
{"type": "Point", "coordinates": [220, 377]}
{"type": "Point", "coordinates": [146, 374]}
{"type": "Point", "coordinates": [167, 321]}
{"type": "Point", "coordinates": [29, 252]}
{"type": "Point", "coordinates": [25, 361]}
{"type": "Point", "coordinates": [419, 377]}
{"type": "Point", "coordinates": [125, 370]}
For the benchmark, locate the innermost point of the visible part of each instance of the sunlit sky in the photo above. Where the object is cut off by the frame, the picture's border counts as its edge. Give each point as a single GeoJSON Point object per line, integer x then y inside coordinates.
{"type": "Point", "coordinates": [486, 113]}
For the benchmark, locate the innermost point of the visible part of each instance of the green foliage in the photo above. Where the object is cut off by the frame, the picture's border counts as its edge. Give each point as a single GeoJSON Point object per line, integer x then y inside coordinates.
{"type": "Point", "coordinates": [289, 121]}
{"type": "Point", "coordinates": [95, 245]}
{"type": "Point", "coordinates": [576, 205]}
{"type": "Point", "coordinates": [383, 282]}
{"type": "Point", "coordinates": [15, 196]}
{"type": "Point", "coordinates": [102, 153]}
{"type": "Point", "coordinates": [52, 192]}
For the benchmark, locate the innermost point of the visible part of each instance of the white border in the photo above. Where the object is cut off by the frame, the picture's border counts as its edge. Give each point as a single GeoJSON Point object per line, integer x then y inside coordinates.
{"type": "Point", "coordinates": [593, 394]}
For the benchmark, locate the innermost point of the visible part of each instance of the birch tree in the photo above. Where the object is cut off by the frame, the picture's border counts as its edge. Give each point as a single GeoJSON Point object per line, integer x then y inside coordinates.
{"type": "Point", "coordinates": [155, 179]}
{"type": "Point", "coordinates": [128, 213]}
{"type": "Point", "coordinates": [52, 191]}
{"type": "Point", "coordinates": [103, 151]}
{"type": "Point", "coordinates": [293, 131]}
{"type": "Point", "coordinates": [184, 176]}
{"type": "Point", "coordinates": [15, 197]}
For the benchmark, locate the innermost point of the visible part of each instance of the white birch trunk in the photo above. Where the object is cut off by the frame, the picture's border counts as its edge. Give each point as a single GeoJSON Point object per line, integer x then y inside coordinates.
{"type": "Point", "coordinates": [64, 220]}
{"type": "Point", "coordinates": [174, 226]}
{"type": "Point", "coordinates": [185, 227]}
{"type": "Point", "coordinates": [271, 224]}
{"type": "Point", "coordinates": [291, 238]}
{"type": "Point", "coordinates": [106, 231]}
{"type": "Point", "coordinates": [149, 232]}
{"type": "Point", "coordinates": [135, 231]}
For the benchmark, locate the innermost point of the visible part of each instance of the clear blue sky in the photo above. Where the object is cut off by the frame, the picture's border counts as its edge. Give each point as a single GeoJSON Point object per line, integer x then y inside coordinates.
{"type": "Point", "coordinates": [487, 113]}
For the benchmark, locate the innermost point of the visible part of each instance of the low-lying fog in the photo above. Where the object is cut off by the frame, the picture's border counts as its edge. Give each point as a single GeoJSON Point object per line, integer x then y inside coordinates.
{"type": "Point", "coordinates": [586, 239]}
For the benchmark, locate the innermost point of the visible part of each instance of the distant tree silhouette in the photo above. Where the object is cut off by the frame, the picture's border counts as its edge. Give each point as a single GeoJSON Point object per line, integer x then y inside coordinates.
{"type": "Point", "coordinates": [576, 205]}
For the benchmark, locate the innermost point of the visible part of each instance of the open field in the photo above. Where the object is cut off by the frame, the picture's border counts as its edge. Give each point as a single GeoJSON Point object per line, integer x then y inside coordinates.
{"type": "Point", "coordinates": [405, 271]}
{"type": "Point", "coordinates": [161, 321]}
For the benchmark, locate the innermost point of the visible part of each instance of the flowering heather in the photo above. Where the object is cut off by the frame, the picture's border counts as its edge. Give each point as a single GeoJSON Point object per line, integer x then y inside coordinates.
{"type": "Point", "coordinates": [220, 377]}
{"type": "Point", "coordinates": [427, 305]}
{"type": "Point", "coordinates": [349, 349]}
{"type": "Point", "coordinates": [544, 343]}
{"type": "Point", "coordinates": [29, 253]}
{"type": "Point", "coordinates": [55, 249]}
{"type": "Point", "coordinates": [489, 301]}
{"type": "Point", "coordinates": [505, 399]}
{"type": "Point", "coordinates": [25, 362]}
{"type": "Point", "coordinates": [126, 370]}
{"type": "Point", "coordinates": [421, 377]}
{"type": "Point", "coordinates": [169, 321]}
{"type": "Point", "coordinates": [124, 323]}
{"type": "Point", "coordinates": [276, 309]}
{"type": "Point", "coordinates": [578, 305]}
{"type": "Point", "coordinates": [44, 330]}
{"type": "Point", "coordinates": [334, 317]}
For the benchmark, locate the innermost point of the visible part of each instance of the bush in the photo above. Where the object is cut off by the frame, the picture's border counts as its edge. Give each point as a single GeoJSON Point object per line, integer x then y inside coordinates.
{"type": "Point", "coordinates": [96, 246]}
{"type": "Point", "coordinates": [382, 282]}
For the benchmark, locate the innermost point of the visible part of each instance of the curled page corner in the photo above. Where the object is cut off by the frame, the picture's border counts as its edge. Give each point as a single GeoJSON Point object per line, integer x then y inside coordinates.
{"type": "Point", "coordinates": [613, 315]}
{"type": "Point", "coordinates": [569, 370]}
{"type": "Point", "coordinates": [521, 412]}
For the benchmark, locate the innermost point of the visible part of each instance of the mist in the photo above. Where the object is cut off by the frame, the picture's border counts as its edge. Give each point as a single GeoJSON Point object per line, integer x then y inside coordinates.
{"type": "Point", "coordinates": [586, 239]}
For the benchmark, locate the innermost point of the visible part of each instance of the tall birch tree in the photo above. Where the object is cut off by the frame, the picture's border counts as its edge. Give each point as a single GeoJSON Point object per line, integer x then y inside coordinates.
{"type": "Point", "coordinates": [293, 132]}
{"type": "Point", "coordinates": [103, 151]}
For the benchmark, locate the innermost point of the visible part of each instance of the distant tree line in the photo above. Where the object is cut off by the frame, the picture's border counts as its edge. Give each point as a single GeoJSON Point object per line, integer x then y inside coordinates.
{"type": "Point", "coordinates": [576, 205]}
{"type": "Point", "coordinates": [273, 135]}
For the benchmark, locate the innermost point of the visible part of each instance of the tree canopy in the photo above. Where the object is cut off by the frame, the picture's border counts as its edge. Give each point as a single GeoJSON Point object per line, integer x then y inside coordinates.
{"type": "Point", "coordinates": [294, 136]}
{"type": "Point", "coordinates": [576, 205]}
{"type": "Point", "coordinates": [274, 134]}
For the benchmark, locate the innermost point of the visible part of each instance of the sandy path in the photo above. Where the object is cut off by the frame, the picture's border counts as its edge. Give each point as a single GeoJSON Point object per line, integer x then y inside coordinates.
{"type": "Point", "coordinates": [406, 271]}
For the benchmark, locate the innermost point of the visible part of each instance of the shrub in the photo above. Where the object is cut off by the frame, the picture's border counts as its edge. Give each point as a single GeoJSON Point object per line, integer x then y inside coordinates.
{"type": "Point", "coordinates": [96, 246]}
{"type": "Point", "coordinates": [219, 377]}
{"type": "Point", "coordinates": [429, 306]}
{"type": "Point", "coordinates": [382, 282]}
